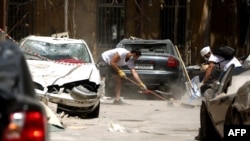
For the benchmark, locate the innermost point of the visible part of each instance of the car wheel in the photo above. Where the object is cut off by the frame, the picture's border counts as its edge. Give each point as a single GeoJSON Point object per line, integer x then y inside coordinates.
{"type": "Point", "coordinates": [58, 110]}
{"type": "Point", "coordinates": [177, 92]}
{"type": "Point", "coordinates": [95, 113]}
{"type": "Point", "coordinates": [207, 130]}
{"type": "Point", "coordinates": [179, 89]}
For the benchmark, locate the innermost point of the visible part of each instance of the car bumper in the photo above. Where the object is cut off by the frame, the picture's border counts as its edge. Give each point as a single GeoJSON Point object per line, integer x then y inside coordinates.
{"type": "Point", "coordinates": [153, 78]}
{"type": "Point", "coordinates": [77, 105]}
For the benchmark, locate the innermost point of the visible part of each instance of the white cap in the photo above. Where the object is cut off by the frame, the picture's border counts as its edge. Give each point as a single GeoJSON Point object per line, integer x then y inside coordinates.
{"type": "Point", "coordinates": [205, 51]}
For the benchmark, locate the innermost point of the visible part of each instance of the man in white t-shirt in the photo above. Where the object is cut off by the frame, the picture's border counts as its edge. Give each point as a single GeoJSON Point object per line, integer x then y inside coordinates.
{"type": "Point", "coordinates": [222, 63]}
{"type": "Point", "coordinates": [114, 58]}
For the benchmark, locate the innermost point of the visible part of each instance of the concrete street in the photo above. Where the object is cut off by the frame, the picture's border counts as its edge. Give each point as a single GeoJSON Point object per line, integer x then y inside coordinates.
{"type": "Point", "coordinates": [140, 120]}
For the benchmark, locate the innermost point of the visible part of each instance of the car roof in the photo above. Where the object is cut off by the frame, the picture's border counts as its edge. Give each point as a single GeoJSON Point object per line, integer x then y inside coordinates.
{"type": "Point", "coordinates": [144, 41]}
{"type": "Point", "coordinates": [54, 40]}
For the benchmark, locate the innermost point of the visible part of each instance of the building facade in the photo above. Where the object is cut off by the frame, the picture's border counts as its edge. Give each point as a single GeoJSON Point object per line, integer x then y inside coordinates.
{"type": "Point", "coordinates": [190, 24]}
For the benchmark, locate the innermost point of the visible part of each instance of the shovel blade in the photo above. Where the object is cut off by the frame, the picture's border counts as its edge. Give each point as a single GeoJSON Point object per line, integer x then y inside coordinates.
{"type": "Point", "coordinates": [194, 91]}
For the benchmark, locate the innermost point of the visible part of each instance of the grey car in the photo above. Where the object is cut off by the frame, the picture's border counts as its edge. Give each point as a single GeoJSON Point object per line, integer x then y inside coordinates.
{"type": "Point", "coordinates": [159, 67]}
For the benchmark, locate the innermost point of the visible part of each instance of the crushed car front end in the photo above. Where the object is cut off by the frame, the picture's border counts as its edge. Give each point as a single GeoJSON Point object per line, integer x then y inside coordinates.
{"type": "Point", "coordinates": [64, 72]}
{"type": "Point", "coordinates": [74, 88]}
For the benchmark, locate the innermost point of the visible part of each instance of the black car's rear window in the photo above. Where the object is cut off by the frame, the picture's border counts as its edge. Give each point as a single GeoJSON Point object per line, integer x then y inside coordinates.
{"type": "Point", "coordinates": [151, 48]}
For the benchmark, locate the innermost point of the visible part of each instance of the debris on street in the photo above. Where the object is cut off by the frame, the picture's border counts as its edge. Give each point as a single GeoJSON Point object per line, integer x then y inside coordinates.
{"type": "Point", "coordinates": [114, 127]}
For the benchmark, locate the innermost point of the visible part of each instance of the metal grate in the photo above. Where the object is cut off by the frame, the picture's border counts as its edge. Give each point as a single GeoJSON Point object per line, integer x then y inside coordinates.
{"type": "Point", "coordinates": [19, 18]}
{"type": "Point", "coordinates": [173, 23]}
{"type": "Point", "coordinates": [111, 19]}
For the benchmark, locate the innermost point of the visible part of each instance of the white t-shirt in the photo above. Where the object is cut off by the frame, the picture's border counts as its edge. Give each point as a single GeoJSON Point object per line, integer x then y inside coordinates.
{"type": "Point", "coordinates": [224, 64]}
{"type": "Point", "coordinates": [107, 55]}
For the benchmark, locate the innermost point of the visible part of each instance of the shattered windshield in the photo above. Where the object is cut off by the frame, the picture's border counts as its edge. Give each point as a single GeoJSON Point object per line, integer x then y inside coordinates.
{"type": "Point", "coordinates": [67, 52]}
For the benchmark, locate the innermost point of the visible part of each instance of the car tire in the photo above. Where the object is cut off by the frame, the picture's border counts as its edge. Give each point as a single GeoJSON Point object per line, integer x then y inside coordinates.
{"type": "Point", "coordinates": [177, 92]}
{"type": "Point", "coordinates": [58, 110]}
{"type": "Point", "coordinates": [207, 130]}
{"type": "Point", "coordinates": [179, 89]}
{"type": "Point", "coordinates": [95, 113]}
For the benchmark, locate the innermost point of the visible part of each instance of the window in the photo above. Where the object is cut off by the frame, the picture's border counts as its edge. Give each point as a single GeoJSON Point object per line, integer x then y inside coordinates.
{"type": "Point", "coordinates": [19, 18]}
{"type": "Point", "coordinates": [173, 23]}
{"type": "Point", "coordinates": [111, 19]}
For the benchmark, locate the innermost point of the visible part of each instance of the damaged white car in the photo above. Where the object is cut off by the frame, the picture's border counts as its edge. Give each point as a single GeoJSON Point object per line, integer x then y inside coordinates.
{"type": "Point", "coordinates": [64, 72]}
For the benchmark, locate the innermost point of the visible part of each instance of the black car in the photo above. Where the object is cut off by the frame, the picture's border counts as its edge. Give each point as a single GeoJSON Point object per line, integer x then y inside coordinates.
{"type": "Point", "coordinates": [22, 116]}
{"type": "Point", "coordinates": [159, 67]}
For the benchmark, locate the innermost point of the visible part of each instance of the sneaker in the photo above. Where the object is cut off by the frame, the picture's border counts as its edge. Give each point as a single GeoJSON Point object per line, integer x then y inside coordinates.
{"type": "Point", "coordinates": [119, 102]}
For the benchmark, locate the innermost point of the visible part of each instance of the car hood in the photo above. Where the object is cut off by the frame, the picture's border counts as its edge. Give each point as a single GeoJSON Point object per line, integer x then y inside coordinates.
{"type": "Point", "coordinates": [53, 73]}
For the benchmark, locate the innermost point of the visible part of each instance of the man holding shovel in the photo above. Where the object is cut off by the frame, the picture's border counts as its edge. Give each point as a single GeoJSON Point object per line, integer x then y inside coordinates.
{"type": "Point", "coordinates": [113, 59]}
{"type": "Point", "coordinates": [217, 65]}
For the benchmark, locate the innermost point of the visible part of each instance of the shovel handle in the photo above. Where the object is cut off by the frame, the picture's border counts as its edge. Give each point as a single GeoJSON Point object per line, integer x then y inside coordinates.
{"type": "Point", "coordinates": [184, 67]}
{"type": "Point", "coordinates": [132, 81]}
{"type": "Point", "coordinates": [156, 95]}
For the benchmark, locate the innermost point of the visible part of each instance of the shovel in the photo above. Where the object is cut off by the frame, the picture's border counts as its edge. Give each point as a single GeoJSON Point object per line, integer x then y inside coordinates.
{"type": "Point", "coordinates": [188, 84]}
{"type": "Point", "coordinates": [147, 90]}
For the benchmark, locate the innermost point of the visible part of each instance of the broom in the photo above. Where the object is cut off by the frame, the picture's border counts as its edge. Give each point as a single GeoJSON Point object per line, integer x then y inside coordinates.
{"type": "Point", "coordinates": [147, 90]}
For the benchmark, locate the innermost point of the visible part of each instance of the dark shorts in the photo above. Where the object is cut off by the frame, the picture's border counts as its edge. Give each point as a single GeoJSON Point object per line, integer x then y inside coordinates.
{"type": "Point", "coordinates": [105, 68]}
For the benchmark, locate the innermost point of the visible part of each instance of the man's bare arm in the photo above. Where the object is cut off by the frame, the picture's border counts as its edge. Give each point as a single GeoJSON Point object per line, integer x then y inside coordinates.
{"type": "Point", "coordinates": [113, 62]}
{"type": "Point", "coordinates": [208, 72]}
{"type": "Point", "coordinates": [136, 76]}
